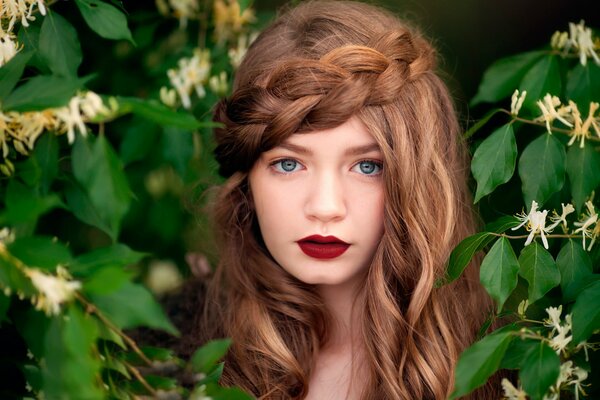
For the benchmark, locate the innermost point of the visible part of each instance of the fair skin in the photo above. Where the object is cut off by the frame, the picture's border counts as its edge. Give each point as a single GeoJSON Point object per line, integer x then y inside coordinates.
{"type": "Point", "coordinates": [327, 184]}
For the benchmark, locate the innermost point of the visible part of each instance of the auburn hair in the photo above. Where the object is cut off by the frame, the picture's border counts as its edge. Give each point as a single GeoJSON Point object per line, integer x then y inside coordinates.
{"type": "Point", "coordinates": [319, 64]}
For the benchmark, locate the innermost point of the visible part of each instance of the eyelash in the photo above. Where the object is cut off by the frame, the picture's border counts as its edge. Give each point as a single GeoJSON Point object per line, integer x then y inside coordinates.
{"type": "Point", "coordinates": [378, 164]}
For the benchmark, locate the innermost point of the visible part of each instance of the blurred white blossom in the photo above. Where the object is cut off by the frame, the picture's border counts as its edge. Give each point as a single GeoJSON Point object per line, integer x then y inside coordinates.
{"type": "Point", "coordinates": [163, 277]}
{"type": "Point", "coordinates": [8, 48]}
{"type": "Point", "coordinates": [184, 10]}
{"type": "Point", "coordinates": [229, 19]}
{"type": "Point", "coordinates": [191, 75]}
{"type": "Point", "coordinates": [580, 40]}
{"type": "Point", "coordinates": [511, 392]}
{"type": "Point", "coordinates": [20, 10]}
{"type": "Point", "coordinates": [53, 291]}
{"type": "Point", "coordinates": [237, 53]}
{"type": "Point", "coordinates": [21, 129]}
{"type": "Point", "coordinates": [218, 84]}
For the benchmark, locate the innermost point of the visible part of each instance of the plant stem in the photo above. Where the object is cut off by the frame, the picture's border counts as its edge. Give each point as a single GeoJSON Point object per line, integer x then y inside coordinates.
{"type": "Point", "coordinates": [93, 309]}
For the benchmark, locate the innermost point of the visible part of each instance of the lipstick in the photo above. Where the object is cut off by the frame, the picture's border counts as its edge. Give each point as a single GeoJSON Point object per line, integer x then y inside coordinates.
{"type": "Point", "coordinates": [323, 247]}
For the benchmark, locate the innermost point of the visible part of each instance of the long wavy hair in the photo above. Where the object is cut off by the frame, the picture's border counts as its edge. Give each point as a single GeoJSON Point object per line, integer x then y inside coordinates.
{"type": "Point", "coordinates": [316, 66]}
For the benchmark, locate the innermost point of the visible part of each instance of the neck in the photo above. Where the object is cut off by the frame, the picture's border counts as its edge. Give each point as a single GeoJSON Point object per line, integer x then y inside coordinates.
{"type": "Point", "coordinates": [340, 301]}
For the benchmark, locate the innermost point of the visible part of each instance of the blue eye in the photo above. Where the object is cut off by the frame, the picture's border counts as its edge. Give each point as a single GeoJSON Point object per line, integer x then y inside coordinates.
{"type": "Point", "coordinates": [286, 165]}
{"type": "Point", "coordinates": [368, 167]}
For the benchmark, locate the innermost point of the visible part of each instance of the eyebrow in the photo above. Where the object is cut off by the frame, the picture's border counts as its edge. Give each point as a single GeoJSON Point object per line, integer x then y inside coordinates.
{"type": "Point", "coordinates": [352, 151]}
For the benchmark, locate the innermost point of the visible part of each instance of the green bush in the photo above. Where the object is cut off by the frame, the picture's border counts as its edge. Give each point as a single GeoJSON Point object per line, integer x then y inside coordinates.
{"type": "Point", "coordinates": [550, 293]}
{"type": "Point", "coordinates": [86, 178]}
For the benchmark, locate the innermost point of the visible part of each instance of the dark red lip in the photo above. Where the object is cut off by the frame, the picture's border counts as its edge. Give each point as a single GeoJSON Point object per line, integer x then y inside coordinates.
{"type": "Point", "coordinates": [323, 247]}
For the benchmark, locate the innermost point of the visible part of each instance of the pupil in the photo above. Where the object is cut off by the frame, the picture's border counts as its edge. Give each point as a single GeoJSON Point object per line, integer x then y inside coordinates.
{"type": "Point", "coordinates": [367, 167]}
{"type": "Point", "coordinates": [288, 165]}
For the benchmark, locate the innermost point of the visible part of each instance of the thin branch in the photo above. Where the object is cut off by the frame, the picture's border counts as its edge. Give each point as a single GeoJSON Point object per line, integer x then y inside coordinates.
{"type": "Point", "coordinates": [140, 378]}
{"type": "Point", "coordinates": [93, 309]}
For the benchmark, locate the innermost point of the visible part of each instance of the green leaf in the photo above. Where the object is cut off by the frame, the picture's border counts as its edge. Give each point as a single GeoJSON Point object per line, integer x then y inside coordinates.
{"type": "Point", "coordinates": [494, 161]}
{"type": "Point", "coordinates": [178, 148]}
{"type": "Point", "coordinates": [45, 154]}
{"type": "Point", "coordinates": [11, 72]}
{"type": "Point", "coordinates": [32, 325]}
{"type": "Point", "coordinates": [464, 252]}
{"type": "Point", "coordinates": [583, 165]}
{"type": "Point", "coordinates": [41, 252]}
{"type": "Point", "coordinates": [71, 365]}
{"type": "Point", "coordinates": [131, 306]}
{"type": "Point", "coordinates": [158, 112]}
{"type": "Point", "coordinates": [502, 78]}
{"type": "Point", "coordinates": [106, 20]}
{"type": "Point", "coordinates": [30, 38]}
{"type": "Point", "coordinates": [583, 84]}
{"type": "Point", "coordinates": [479, 124]}
{"type": "Point", "coordinates": [499, 270]}
{"type": "Point", "coordinates": [539, 370]}
{"type": "Point", "coordinates": [59, 45]}
{"type": "Point", "coordinates": [80, 204]}
{"type": "Point", "coordinates": [513, 358]}
{"type": "Point", "coordinates": [575, 268]}
{"type": "Point", "coordinates": [140, 138]}
{"type": "Point", "coordinates": [207, 356]}
{"type": "Point", "coordinates": [226, 393]}
{"type": "Point", "coordinates": [502, 224]}
{"type": "Point", "coordinates": [106, 280]}
{"type": "Point", "coordinates": [41, 92]}
{"type": "Point", "coordinates": [542, 169]}
{"type": "Point", "coordinates": [586, 313]}
{"type": "Point", "coordinates": [477, 363]}
{"type": "Point", "coordinates": [542, 78]}
{"type": "Point", "coordinates": [98, 169]}
{"type": "Point", "coordinates": [116, 255]}
{"type": "Point", "coordinates": [539, 270]}
{"type": "Point", "coordinates": [24, 205]}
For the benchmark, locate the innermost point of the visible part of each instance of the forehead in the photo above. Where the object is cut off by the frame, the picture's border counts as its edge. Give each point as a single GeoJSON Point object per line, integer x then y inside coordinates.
{"type": "Point", "coordinates": [351, 135]}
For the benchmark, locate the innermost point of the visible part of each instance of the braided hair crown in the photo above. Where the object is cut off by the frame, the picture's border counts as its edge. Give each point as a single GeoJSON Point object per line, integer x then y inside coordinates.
{"type": "Point", "coordinates": [314, 70]}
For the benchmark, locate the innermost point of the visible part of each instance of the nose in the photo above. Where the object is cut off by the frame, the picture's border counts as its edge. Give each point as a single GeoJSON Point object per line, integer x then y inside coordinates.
{"type": "Point", "coordinates": [326, 198]}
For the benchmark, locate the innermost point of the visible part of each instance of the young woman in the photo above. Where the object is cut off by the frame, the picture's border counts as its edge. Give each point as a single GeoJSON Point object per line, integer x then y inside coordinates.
{"type": "Point", "coordinates": [346, 193]}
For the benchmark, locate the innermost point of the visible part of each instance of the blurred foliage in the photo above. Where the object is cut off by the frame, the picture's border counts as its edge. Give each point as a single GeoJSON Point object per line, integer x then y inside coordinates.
{"type": "Point", "coordinates": [105, 147]}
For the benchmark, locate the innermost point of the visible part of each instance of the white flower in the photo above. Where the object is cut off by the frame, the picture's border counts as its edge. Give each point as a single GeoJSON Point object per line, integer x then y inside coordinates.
{"type": "Point", "coordinates": [8, 48]}
{"type": "Point", "coordinates": [237, 54]}
{"type": "Point", "coordinates": [550, 113]}
{"type": "Point", "coordinates": [53, 290]}
{"type": "Point", "coordinates": [13, 10]}
{"type": "Point", "coordinates": [182, 9]}
{"type": "Point", "coordinates": [190, 75]}
{"type": "Point", "coordinates": [556, 219]}
{"type": "Point", "coordinates": [168, 96]}
{"type": "Point", "coordinates": [6, 235]}
{"type": "Point", "coordinates": [585, 225]}
{"type": "Point", "coordinates": [163, 277]}
{"type": "Point", "coordinates": [582, 128]}
{"type": "Point", "coordinates": [511, 392]}
{"type": "Point", "coordinates": [580, 38]}
{"type": "Point", "coordinates": [560, 337]}
{"type": "Point", "coordinates": [535, 222]}
{"type": "Point", "coordinates": [516, 101]}
{"type": "Point", "coordinates": [218, 84]}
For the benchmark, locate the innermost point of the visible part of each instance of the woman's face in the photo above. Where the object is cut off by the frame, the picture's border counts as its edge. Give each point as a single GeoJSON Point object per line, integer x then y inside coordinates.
{"type": "Point", "coordinates": [319, 202]}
